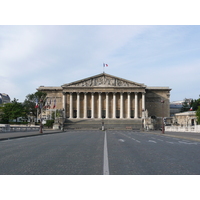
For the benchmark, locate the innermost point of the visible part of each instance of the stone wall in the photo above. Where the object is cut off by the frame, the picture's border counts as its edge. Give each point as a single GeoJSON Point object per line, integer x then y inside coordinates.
{"type": "Point", "coordinates": [153, 102]}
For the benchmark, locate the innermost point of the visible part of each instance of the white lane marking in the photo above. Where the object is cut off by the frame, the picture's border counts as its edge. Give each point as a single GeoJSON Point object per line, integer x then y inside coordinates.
{"type": "Point", "coordinates": [169, 142]}
{"type": "Point", "coordinates": [105, 157]}
{"type": "Point", "coordinates": [131, 138]}
{"type": "Point", "coordinates": [152, 141]}
{"type": "Point", "coordinates": [136, 140]}
{"type": "Point", "coordinates": [182, 142]}
{"type": "Point", "coordinates": [121, 140]}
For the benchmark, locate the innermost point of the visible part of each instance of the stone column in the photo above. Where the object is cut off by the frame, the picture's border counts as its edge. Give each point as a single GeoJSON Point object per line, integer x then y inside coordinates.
{"type": "Point", "coordinates": [78, 105]}
{"type": "Point", "coordinates": [64, 105]}
{"type": "Point", "coordinates": [143, 104]}
{"type": "Point", "coordinates": [100, 115]}
{"type": "Point", "coordinates": [129, 105]}
{"type": "Point", "coordinates": [92, 107]}
{"type": "Point", "coordinates": [121, 106]}
{"type": "Point", "coordinates": [107, 105]}
{"type": "Point", "coordinates": [136, 105]}
{"type": "Point", "coordinates": [71, 105]}
{"type": "Point", "coordinates": [85, 105]}
{"type": "Point", "coordinates": [114, 105]}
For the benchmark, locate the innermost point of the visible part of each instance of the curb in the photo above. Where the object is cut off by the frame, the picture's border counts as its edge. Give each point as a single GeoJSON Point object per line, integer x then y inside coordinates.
{"type": "Point", "coordinates": [175, 136]}
{"type": "Point", "coordinates": [23, 136]}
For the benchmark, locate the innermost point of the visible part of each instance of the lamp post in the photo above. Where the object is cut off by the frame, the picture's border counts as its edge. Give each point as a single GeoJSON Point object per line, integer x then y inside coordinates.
{"type": "Point", "coordinates": [103, 128]}
{"type": "Point", "coordinates": [163, 128]}
{"type": "Point", "coordinates": [41, 106]}
{"type": "Point", "coordinates": [63, 119]}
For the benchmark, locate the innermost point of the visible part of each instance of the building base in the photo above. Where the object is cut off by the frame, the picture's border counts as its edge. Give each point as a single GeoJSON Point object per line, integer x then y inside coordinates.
{"type": "Point", "coordinates": [105, 124]}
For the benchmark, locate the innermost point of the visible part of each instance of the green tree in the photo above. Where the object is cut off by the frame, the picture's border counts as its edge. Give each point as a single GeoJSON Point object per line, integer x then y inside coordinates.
{"type": "Point", "coordinates": [185, 107]}
{"type": "Point", "coordinates": [198, 115]}
{"type": "Point", "coordinates": [30, 102]}
{"type": "Point", "coordinates": [195, 104]}
{"type": "Point", "coordinates": [11, 111]}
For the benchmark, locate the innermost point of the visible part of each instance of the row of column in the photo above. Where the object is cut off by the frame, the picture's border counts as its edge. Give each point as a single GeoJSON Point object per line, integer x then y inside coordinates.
{"type": "Point", "coordinates": [107, 105]}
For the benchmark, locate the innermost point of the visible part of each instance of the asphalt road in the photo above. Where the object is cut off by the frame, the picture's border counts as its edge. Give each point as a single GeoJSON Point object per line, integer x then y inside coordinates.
{"type": "Point", "coordinates": [98, 152]}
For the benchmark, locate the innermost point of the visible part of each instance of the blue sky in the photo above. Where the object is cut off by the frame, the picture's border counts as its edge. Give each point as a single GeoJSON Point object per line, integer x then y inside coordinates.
{"type": "Point", "coordinates": [31, 56]}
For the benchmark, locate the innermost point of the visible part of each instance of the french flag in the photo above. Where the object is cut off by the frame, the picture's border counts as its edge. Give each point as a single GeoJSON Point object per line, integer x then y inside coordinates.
{"type": "Point", "coordinates": [54, 104]}
{"type": "Point", "coordinates": [105, 65]}
{"type": "Point", "coordinates": [36, 106]}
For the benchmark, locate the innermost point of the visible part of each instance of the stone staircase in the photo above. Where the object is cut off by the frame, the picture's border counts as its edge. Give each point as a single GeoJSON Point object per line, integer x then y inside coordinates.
{"type": "Point", "coordinates": [109, 124]}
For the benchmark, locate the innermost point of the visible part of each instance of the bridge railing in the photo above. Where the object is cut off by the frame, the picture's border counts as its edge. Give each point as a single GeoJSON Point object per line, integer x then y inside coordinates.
{"type": "Point", "coordinates": [195, 128]}
{"type": "Point", "coordinates": [17, 128]}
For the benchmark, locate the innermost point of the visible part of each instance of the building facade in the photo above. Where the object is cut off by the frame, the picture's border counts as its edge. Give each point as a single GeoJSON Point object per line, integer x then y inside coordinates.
{"type": "Point", "coordinates": [110, 97]}
{"type": "Point", "coordinates": [188, 118]}
{"type": "Point", "coordinates": [4, 98]}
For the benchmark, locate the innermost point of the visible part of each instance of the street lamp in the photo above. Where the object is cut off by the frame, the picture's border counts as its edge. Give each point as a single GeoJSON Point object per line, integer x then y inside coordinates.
{"type": "Point", "coordinates": [163, 128]}
{"type": "Point", "coordinates": [41, 106]}
{"type": "Point", "coordinates": [103, 128]}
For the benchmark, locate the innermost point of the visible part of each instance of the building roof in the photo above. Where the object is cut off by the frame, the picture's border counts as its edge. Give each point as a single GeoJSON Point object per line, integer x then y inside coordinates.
{"type": "Point", "coordinates": [4, 98]}
{"type": "Point", "coordinates": [49, 88]}
{"type": "Point", "coordinates": [105, 80]}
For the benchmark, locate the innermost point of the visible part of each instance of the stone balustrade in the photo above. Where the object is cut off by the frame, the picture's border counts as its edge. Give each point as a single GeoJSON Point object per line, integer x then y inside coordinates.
{"type": "Point", "coordinates": [195, 128]}
{"type": "Point", "coordinates": [17, 128]}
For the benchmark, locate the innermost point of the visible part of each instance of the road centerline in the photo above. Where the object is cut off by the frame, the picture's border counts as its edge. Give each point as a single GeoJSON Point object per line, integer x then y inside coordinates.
{"type": "Point", "coordinates": [105, 157]}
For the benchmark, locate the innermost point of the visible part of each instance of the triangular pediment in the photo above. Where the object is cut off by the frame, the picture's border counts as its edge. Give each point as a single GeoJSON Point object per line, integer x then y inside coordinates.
{"type": "Point", "coordinates": [103, 80]}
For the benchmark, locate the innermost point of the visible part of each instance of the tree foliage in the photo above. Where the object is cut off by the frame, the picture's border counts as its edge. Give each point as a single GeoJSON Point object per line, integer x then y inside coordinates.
{"type": "Point", "coordinates": [198, 115]}
{"type": "Point", "coordinates": [195, 104]}
{"type": "Point", "coordinates": [190, 105]}
{"type": "Point", "coordinates": [185, 107]}
{"type": "Point", "coordinates": [30, 102]}
{"type": "Point", "coordinates": [13, 110]}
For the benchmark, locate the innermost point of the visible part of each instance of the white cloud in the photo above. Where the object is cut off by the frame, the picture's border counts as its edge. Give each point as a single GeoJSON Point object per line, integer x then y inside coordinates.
{"type": "Point", "coordinates": [9, 87]}
{"type": "Point", "coordinates": [183, 79]}
{"type": "Point", "coordinates": [31, 56]}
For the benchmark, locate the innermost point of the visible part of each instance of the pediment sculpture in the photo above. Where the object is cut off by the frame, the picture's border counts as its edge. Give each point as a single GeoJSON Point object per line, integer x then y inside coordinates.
{"type": "Point", "coordinates": [103, 81]}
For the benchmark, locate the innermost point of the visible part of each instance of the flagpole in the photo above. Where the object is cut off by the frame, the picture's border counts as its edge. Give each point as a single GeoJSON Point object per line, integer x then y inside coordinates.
{"type": "Point", "coordinates": [104, 65]}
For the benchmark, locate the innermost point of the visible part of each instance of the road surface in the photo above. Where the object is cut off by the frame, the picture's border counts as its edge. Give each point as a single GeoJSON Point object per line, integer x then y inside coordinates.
{"type": "Point", "coordinates": [98, 153]}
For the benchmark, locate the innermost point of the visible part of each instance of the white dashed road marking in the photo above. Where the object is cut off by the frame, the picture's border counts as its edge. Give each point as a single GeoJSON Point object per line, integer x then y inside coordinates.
{"type": "Point", "coordinates": [182, 142]}
{"type": "Point", "coordinates": [152, 141]}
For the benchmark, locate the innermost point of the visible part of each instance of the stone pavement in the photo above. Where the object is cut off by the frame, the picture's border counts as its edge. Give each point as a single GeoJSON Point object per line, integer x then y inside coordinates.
{"type": "Point", "coordinates": [12, 135]}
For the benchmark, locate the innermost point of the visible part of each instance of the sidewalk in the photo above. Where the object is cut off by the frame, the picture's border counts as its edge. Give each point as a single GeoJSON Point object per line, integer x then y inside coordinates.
{"type": "Point", "coordinates": [12, 135]}
{"type": "Point", "coordinates": [182, 135]}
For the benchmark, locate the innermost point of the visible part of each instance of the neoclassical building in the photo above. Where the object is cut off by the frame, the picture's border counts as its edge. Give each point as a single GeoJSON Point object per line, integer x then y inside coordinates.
{"type": "Point", "coordinates": [110, 97]}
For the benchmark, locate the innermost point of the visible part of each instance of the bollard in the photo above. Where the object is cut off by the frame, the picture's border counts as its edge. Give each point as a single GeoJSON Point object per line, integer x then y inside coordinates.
{"type": "Point", "coordinates": [103, 126]}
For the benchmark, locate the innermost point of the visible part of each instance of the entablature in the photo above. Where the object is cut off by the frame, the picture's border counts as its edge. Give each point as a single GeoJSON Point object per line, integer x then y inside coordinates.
{"type": "Point", "coordinates": [100, 89]}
